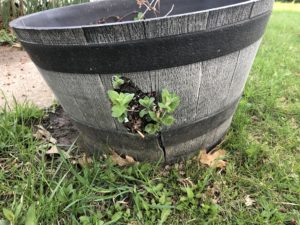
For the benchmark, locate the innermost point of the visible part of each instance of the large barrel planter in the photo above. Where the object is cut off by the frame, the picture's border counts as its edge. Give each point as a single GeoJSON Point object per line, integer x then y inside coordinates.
{"type": "Point", "coordinates": [203, 51]}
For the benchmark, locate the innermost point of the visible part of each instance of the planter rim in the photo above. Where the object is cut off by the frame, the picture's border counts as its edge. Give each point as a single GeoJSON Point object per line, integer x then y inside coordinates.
{"type": "Point", "coordinates": [17, 23]}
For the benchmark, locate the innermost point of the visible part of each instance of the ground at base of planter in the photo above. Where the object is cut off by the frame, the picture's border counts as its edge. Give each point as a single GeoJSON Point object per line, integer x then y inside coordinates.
{"type": "Point", "coordinates": [60, 126]}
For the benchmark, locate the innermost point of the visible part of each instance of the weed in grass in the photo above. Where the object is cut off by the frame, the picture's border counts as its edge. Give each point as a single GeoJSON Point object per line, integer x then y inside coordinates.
{"type": "Point", "coordinates": [7, 37]}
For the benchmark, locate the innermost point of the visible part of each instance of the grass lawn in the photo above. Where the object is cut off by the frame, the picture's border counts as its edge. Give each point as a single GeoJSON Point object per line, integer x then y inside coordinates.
{"type": "Point", "coordinates": [260, 185]}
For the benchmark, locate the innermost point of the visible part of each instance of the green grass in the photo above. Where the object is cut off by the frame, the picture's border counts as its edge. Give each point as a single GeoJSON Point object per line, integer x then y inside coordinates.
{"type": "Point", "coordinates": [263, 161]}
{"type": "Point", "coordinates": [9, 11]}
{"type": "Point", "coordinates": [6, 37]}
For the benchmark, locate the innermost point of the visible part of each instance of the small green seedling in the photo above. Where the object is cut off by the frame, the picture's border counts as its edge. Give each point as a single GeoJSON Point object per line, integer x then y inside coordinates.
{"type": "Point", "coordinates": [120, 103]}
{"type": "Point", "coordinates": [160, 115]}
{"type": "Point", "coordinates": [139, 16]}
{"type": "Point", "coordinates": [152, 128]}
{"type": "Point", "coordinates": [170, 101]}
{"type": "Point", "coordinates": [117, 81]}
{"type": "Point", "coordinates": [148, 103]}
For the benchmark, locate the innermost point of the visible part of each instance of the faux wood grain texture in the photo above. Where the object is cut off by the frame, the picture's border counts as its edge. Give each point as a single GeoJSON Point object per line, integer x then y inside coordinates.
{"type": "Point", "coordinates": [115, 33]}
{"type": "Point", "coordinates": [53, 37]}
{"type": "Point", "coordinates": [99, 142]}
{"type": "Point", "coordinates": [69, 104]}
{"type": "Point", "coordinates": [83, 98]}
{"type": "Point", "coordinates": [221, 130]}
{"type": "Point", "coordinates": [244, 64]}
{"type": "Point", "coordinates": [146, 29]}
{"type": "Point", "coordinates": [175, 25]}
{"type": "Point", "coordinates": [185, 82]}
{"type": "Point", "coordinates": [32, 36]}
{"type": "Point", "coordinates": [261, 7]}
{"type": "Point", "coordinates": [216, 79]}
{"type": "Point", "coordinates": [62, 37]}
{"type": "Point", "coordinates": [146, 81]}
{"type": "Point", "coordinates": [193, 146]}
{"type": "Point", "coordinates": [230, 15]}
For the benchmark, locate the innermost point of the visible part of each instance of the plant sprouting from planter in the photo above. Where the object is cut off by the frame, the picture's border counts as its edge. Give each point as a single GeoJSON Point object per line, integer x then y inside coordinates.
{"type": "Point", "coordinates": [117, 82]}
{"type": "Point", "coordinates": [120, 102]}
{"type": "Point", "coordinates": [141, 112]}
{"type": "Point", "coordinates": [162, 113]}
{"type": "Point", "coordinates": [148, 103]}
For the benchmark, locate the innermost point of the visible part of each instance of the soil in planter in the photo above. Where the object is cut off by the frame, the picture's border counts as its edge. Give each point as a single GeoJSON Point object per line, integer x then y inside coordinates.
{"type": "Point", "coordinates": [135, 122]}
{"type": "Point", "coordinates": [60, 126]}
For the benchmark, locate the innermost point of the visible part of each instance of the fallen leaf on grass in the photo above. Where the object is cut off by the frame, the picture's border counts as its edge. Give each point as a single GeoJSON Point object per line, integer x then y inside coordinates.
{"type": "Point", "coordinates": [43, 134]}
{"type": "Point", "coordinates": [54, 151]}
{"type": "Point", "coordinates": [17, 45]}
{"type": "Point", "coordinates": [128, 160]}
{"type": "Point", "coordinates": [186, 182]}
{"type": "Point", "coordinates": [249, 201]}
{"type": "Point", "coordinates": [213, 159]}
{"type": "Point", "coordinates": [85, 160]}
{"type": "Point", "coordinates": [213, 193]}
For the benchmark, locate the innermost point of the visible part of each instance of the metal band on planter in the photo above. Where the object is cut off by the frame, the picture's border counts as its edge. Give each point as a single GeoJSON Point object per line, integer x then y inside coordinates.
{"type": "Point", "coordinates": [148, 54]}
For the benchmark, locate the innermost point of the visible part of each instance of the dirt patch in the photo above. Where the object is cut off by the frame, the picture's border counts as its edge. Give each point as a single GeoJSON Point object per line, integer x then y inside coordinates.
{"type": "Point", "coordinates": [59, 124]}
{"type": "Point", "coordinates": [20, 78]}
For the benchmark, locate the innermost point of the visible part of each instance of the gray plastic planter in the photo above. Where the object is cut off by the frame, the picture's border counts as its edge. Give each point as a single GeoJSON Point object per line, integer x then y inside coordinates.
{"type": "Point", "coordinates": [203, 51]}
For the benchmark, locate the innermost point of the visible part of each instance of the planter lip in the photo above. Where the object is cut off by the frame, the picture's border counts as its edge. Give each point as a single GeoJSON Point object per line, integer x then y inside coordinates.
{"type": "Point", "coordinates": [19, 24]}
{"type": "Point", "coordinates": [164, 52]}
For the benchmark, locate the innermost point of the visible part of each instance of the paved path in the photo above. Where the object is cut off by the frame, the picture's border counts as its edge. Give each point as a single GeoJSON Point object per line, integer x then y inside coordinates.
{"type": "Point", "coordinates": [20, 78]}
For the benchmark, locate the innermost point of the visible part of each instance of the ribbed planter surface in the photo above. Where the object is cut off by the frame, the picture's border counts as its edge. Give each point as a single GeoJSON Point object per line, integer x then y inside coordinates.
{"type": "Point", "coordinates": [203, 51]}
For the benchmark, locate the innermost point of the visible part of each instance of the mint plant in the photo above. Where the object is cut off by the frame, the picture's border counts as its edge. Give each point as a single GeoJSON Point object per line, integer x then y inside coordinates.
{"type": "Point", "coordinates": [152, 128]}
{"type": "Point", "coordinates": [120, 102]}
{"type": "Point", "coordinates": [141, 112]}
{"type": "Point", "coordinates": [170, 101]}
{"type": "Point", "coordinates": [161, 115]}
{"type": "Point", "coordinates": [148, 103]}
{"type": "Point", "coordinates": [117, 81]}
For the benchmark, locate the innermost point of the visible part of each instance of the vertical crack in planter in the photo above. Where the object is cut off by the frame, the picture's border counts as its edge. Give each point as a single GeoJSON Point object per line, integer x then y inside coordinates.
{"type": "Point", "coordinates": [203, 51]}
{"type": "Point", "coordinates": [161, 144]}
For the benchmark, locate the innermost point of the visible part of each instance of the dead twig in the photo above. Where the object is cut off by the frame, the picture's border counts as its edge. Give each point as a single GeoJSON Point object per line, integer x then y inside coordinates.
{"type": "Point", "coordinates": [141, 134]}
{"type": "Point", "coordinates": [171, 10]}
{"type": "Point", "coordinates": [288, 203]}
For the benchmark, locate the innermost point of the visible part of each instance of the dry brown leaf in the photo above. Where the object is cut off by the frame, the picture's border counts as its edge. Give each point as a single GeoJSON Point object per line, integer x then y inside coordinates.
{"type": "Point", "coordinates": [249, 201]}
{"type": "Point", "coordinates": [128, 160]}
{"type": "Point", "coordinates": [186, 182]}
{"type": "Point", "coordinates": [140, 2]}
{"type": "Point", "coordinates": [54, 151]}
{"type": "Point", "coordinates": [213, 159]}
{"type": "Point", "coordinates": [85, 160]}
{"type": "Point", "coordinates": [17, 45]}
{"type": "Point", "coordinates": [52, 140]}
{"type": "Point", "coordinates": [133, 223]}
{"type": "Point", "coordinates": [43, 134]}
{"type": "Point", "coordinates": [213, 193]}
